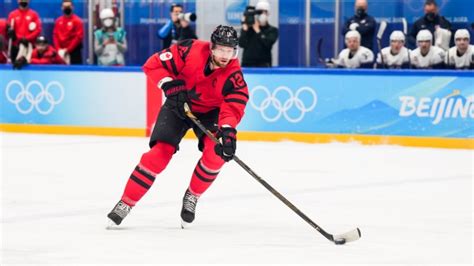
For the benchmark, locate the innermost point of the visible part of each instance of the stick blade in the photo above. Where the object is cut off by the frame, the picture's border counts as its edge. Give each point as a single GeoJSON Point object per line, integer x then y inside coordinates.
{"type": "Point", "coordinates": [350, 236]}
{"type": "Point", "coordinates": [382, 27]}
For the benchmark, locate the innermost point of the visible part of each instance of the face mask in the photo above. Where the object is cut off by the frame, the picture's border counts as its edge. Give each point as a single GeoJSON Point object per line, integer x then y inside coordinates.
{"type": "Point", "coordinates": [262, 19]}
{"type": "Point", "coordinates": [430, 16]}
{"type": "Point", "coordinates": [360, 12]}
{"type": "Point", "coordinates": [108, 22]}
{"type": "Point", "coordinates": [67, 11]}
{"type": "Point", "coordinates": [23, 4]}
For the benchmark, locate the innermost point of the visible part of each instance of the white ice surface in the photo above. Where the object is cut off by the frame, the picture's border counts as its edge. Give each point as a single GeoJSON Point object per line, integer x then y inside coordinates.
{"type": "Point", "coordinates": [413, 205]}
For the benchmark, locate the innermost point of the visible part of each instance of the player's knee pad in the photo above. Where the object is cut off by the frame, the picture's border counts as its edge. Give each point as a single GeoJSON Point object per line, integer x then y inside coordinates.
{"type": "Point", "coordinates": [158, 157]}
{"type": "Point", "coordinates": [209, 157]}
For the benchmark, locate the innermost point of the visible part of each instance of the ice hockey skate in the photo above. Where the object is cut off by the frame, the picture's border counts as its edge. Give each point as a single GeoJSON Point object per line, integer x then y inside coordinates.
{"type": "Point", "coordinates": [189, 209]}
{"type": "Point", "coordinates": [118, 213]}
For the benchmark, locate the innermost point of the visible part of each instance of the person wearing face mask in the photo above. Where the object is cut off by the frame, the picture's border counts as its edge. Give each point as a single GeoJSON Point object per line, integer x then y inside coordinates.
{"type": "Point", "coordinates": [438, 25]}
{"type": "Point", "coordinates": [110, 43]}
{"type": "Point", "coordinates": [258, 39]}
{"type": "Point", "coordinates": [24, 27]}
{"type": "Point", "coordinates": [461, 56]}
{"type": "Point", "coordinates": [68, 34]}
{"type": "Point", "coordinates": [363, 23]}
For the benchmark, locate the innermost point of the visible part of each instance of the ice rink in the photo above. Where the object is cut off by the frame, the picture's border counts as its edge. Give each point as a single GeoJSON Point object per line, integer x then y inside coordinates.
{"type": "Point", "coordinates": [413, 205]}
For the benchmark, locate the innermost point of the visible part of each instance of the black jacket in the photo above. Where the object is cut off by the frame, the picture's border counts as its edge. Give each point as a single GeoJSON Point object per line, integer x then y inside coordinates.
{"type": "Point", "coordinates": [424, 24]}
{"type": "Point", "coordinates": [367, 25]}
{"type": "Point", "coordinates": [258, 47]}
{"type": "Point", "coordinates": [178, 34]}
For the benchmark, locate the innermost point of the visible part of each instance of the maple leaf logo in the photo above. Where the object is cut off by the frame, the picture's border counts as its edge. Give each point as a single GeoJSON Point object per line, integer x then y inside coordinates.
{"type": "Point", "coordinates": [193, 95]}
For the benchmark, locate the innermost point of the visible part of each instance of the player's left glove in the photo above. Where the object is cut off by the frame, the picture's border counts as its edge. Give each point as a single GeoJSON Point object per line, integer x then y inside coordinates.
{"type": "Point", "coordinates": [177, 95]}
{"type": "Point", "coordinates": [227, 137]}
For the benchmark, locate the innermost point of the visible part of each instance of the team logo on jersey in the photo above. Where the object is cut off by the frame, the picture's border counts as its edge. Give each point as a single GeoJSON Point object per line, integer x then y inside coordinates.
{"type": "Point", "coordinates": [166, 56]}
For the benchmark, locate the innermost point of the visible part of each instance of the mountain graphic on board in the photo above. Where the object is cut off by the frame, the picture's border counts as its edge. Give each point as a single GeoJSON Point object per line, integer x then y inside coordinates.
{"type": "Point", "coordinates": [379, 118]}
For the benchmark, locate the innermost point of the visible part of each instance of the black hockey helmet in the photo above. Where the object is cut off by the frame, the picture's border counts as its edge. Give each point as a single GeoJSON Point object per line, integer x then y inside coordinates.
{"type": "Point", "coordinates": [225, 35]}
{"type": "Point", "coordinates": [41, 40]}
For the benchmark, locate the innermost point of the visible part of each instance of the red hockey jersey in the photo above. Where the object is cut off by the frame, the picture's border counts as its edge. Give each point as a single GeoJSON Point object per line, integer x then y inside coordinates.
{"type": "Point", "coordinates": [48, 57]}
{"type": "Point", "coordinates": [224, 88]}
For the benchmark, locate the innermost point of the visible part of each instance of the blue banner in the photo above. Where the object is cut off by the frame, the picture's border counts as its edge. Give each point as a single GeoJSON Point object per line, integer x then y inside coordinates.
{"type": "Point", "coordinates": [362, 102]}
{"type": "Point", "coordinates": [73, 98]}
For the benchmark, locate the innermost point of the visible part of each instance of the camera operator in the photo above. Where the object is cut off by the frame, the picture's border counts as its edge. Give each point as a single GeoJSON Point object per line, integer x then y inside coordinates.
{"type": "Point", "coordinates": [178, 27]}
{"type": "Point", "coordinates": [257, 36]}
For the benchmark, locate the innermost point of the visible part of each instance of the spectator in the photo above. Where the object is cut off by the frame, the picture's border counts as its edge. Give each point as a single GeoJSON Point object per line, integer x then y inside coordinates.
{"type": "Point", "coordinates": [3, 42]}
{"type": "Point", "coordinates": [68, 34]}
{"type": "Point", "coordinates": [435, 23]}
{"type": "Point", "coordinates": [396, 55]}
{"type": "Point", "coordinates": [45, 54]}
{"type": "Point", "coordinates": [363, 23]}
{"type": "Point", "coordinates": [258, 38]}
{"type": "Point", "coordinates": [355, 55]}
{"type": "Point", "coordinates": [461, 56]}
{"type": "Point", "coordinates": [24, 27]}
{"type": "Point", "coordinates": [110, 43]}
{"type": "Point", "coordinates": [427, 56]}
{"type": "Point", "coordinates": [177, 28]}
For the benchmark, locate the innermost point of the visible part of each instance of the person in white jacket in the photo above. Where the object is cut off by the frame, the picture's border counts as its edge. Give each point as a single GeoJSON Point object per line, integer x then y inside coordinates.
{"type": "Point", "coordinates": [461, 56]}
{"type": "Point", "coordinates": [355, 55]}
{"type": "Point", "coordinates": [427, 56]}
{"type": "Point", "coordinates": [396, 56]}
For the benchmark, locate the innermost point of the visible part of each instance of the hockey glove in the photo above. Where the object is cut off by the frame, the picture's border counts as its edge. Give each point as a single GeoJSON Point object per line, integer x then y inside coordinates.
{"type": "Point", "coordinates": [177, 95]}
{"type": "Point", "coordinates": [19, 63]}
{"type": "Point", "coordinates": [228, 143]}
{"type": "Point", "coordinates": [11, 34]}
{"type": "Point", "coordinates": [24, 41]}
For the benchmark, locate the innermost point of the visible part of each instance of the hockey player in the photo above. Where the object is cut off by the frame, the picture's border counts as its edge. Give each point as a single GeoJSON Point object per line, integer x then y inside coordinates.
{"type": "Point", "coordinates": [427, 56]}
{"type": "Point", "coordinates": [45, 54]}
{"type": "Point", "coordinates": [354, 56]}
{"type": "Point", "coordinates": [395, 56]}
{"type": "Point", "coordinates": [461, 56]}
{"type": "Point", "coordinates": [207, 76]}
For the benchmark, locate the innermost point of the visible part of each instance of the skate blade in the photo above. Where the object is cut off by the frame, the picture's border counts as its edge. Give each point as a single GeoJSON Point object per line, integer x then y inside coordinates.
{"type": "Point", "coordinates": [111, 225]}
{"type": "Point", "coordinates": [185, 225]}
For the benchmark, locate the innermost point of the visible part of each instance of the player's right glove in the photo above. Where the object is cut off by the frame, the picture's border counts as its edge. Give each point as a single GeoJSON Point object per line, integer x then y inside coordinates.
{"type": "Point", "coordinates": [177, 95]}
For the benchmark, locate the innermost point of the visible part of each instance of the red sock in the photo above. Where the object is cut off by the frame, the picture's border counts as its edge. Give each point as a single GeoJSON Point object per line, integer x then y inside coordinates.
{"type": "Point", "coordinates": [206, 170]}
{"type": "Point", "coordinates": [151, 164]}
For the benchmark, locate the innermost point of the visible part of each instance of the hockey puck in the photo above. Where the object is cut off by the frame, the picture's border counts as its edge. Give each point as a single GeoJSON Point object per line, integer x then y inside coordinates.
{"type": "Point", "coordinates": [340, 241]}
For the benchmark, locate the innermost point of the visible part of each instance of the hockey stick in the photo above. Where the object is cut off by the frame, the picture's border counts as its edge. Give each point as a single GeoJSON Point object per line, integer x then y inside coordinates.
{"type": "Point", "coordinates": [405, 31]}
{"type": "Point", "coordinates": [383, 26]}
{"type": "Point", "coordinates": [341, 239]}
{"type": "Point", "coordinates": [318, 49]}
{"type": "Point", "coordinates": [9, 51]}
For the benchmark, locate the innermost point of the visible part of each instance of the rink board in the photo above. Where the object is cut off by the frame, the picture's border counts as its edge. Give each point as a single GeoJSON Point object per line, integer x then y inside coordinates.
{"type": "Point", "coordinates": [430, 108]}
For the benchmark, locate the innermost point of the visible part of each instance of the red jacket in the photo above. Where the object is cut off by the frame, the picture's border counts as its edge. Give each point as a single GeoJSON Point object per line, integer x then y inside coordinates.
{"type": "Point", "coordinates": [24, 20]}
{"type": "Point", "coordinates": [224, 88]}
{"type": "Point", "coordinates": [68, 32]}
{"type": "Point", "coordinates": [3, 28]}
{"type": "Point", "coordinates": [48, 57]}
{"type": "Point", "coordinates": [3, 34]}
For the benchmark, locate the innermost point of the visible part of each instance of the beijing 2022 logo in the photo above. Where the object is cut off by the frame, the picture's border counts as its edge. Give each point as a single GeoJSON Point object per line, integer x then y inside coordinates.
{"type": "Point", "coordinates": [283, 102]}
{"type": "Point", "coordinates": [34, 96]}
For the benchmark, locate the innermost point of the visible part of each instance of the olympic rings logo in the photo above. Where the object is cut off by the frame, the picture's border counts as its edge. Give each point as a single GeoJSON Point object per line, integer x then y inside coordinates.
{"type": "Point", "coordinates": [292, 100]}
{"type": "Point", "coordinates": [25, 101]}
